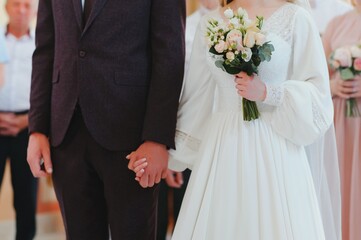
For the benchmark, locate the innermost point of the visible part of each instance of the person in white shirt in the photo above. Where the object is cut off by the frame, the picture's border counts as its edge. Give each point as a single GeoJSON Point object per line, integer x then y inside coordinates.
{"type": "Point", "coordinates": [3, 59]}
{"type": "Point", "coordinates": [14, 104]}
{"type": "Point", "coordinates": [178, 181]}
{"type": "Point", "coordinates": [323, 11]}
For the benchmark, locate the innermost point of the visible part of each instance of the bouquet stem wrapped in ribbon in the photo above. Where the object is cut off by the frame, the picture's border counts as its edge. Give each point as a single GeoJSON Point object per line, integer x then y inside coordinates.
{"type": "Point", "coordinates": [347, 60]}
{"type": "Point", "coordinates": [240, 46]}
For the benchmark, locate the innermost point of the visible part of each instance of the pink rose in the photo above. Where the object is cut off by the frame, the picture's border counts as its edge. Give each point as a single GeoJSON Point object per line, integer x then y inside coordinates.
{"type": "Point", "coordinates": [234, 39]}
{"type": "Point", "coordinates": [343, 56]}
{"type": "Point", "coordinates": [357, 64]}
{"type": "Point", "coordinates": [220, 46]}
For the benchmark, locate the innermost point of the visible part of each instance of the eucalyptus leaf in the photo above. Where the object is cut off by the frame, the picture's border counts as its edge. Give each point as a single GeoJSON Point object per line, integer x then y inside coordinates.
{"type": "Point", "coordinates": [219, 63]}
{"type": "Point", "coordinates": [347, 74]}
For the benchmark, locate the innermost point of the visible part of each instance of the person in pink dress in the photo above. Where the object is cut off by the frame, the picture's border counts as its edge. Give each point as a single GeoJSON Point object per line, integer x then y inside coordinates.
{"type": "Point", "coordinates": [342, 31]}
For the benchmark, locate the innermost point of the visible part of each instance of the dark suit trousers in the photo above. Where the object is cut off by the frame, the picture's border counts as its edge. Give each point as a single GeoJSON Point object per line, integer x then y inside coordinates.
{"type": "Point", "coordinates": [24, 184]}
{"type": "Point", "coordinates": [97, 192]}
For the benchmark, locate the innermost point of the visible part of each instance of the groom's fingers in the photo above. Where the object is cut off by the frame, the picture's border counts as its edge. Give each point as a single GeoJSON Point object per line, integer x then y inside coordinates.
{"type": "Point", "coordinates": [179, 178]}
{"type": "Point", "coordinates": [144, 180]}
{"type": "Point", "coordinates": [157, 179]}
{"type": "Point", "coordinates": [151, 180]}
{"type": "Point", "coordinates": [164, 174]}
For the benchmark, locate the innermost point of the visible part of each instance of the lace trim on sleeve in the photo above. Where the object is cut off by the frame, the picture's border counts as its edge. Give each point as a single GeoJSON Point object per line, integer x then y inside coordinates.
{"type": "Point", "coordinates": [318, 119]}
{"type": "Point", "coordinates": [188, 140]}
{"type": "Point", "coordinates": [274, 96]}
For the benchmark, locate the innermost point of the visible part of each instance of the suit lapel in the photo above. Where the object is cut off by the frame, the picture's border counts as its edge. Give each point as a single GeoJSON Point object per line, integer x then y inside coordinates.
{"type": "Point", "coordinates": [98, 5]}
{"type": "Point", "coordinates": [78, 13]}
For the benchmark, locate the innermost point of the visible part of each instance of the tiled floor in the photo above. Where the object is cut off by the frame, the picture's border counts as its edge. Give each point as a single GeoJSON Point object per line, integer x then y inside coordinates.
{"type": "Point", "coordinates": [49, 227]}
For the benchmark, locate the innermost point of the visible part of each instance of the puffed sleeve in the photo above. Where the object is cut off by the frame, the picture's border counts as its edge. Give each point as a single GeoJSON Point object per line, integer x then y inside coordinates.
{"type": "Point", "coordinates": [195, 106]}
{"type": "Point", "coordinates": [303, 105]}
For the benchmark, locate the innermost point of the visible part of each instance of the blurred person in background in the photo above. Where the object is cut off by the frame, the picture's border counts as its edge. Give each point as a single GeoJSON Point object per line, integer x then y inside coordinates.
{"type": "Point", "coordinates": [14, 105]}
{"type": "Point", "coordinates": [177, 182]}
{"type": "Point", "coordinates": [323, 11]}
{"type": "Point", "coordinates": [343, 31]}
{"type": "Point", "coordinates": [3, 59]}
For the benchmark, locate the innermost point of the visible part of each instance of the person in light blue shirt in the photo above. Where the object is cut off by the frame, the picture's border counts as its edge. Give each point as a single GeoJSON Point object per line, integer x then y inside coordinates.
{"type": "Point", "coordinates": [3, 56]}
{"type": "Point", "coordinates": [3, 59]}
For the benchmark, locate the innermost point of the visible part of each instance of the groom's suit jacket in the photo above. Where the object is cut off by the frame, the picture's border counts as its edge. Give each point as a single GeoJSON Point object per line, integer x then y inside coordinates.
{"type": "Point", "coordinates": [123, 67]}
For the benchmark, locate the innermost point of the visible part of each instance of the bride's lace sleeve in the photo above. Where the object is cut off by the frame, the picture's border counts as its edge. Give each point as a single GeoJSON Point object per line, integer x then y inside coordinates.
{"type": "Point", "coordinates": [303, 105]}
{"type": "Point", "coordinates": [195, 105]}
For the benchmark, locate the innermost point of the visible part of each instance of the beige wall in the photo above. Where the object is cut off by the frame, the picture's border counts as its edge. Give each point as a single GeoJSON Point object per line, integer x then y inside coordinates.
{"type": "Point", "coordinates": [3, 17]}
{"type": "Point", "coordinates": [191, 6]}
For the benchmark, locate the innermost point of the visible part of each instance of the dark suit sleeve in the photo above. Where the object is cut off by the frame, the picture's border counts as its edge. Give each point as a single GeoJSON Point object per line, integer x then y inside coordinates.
{"type": "Point", "coordinates": [167, 46]}
{"type": "Point", "coordinates": [43, 60]}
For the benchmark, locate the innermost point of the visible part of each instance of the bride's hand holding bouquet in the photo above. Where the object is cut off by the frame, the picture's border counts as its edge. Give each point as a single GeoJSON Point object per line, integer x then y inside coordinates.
{"type": "Point", "coordinates": [239, 46]}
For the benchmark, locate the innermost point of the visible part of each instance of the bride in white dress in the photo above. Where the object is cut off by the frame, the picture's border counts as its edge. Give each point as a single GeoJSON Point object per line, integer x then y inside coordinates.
{"type": "Point", "coordinates": [252, 180]}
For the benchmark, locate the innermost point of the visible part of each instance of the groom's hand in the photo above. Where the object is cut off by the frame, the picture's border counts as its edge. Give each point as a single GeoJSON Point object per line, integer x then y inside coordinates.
{"type": "Point", "coordinates": [156, 156]}
{"type": "Point", "coordinates": [38, 155]}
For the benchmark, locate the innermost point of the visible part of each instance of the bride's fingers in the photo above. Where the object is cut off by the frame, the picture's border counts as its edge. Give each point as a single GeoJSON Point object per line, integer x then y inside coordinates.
{"type": "Point", "coordinates": [241, 87]}
{"type": "Point", "coordinates": [140, 167]}
{"type": "Point", "coordinates": [242, 75]}
{"type": "Point", "coordinates": [140, 173]}
{"type": "Point", "coordinates": [132, 157]}
{"type": "Point", "coordinates": [139, 162]}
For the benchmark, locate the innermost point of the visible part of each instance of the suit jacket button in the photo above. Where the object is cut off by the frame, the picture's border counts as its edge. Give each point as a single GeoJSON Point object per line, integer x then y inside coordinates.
{"type": "Point", "coordinates": [82, 54]}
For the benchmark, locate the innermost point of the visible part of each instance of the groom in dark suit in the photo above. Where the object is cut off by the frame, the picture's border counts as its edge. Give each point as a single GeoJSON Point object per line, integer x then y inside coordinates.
{"type": "Point", "coordinates": [106, 81]}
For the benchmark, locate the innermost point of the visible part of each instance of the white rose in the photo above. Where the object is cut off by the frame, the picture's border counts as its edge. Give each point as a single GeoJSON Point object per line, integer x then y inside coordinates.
{"type": "Point", "coordinates": [251, 26]}
{"type": "Point", "coordinates": [230, 56]}
{"type": "Point", "coordinates": [249, 39]}
{"type": "Point", "coordinates": [228, 13]}
{"type": "Point", "coordinates": [343, 55]}
{"type": "Point", "coordinates": [246, 54]}
{"type": "Point", "coordinates": [242, 12]}
{"type": "Point", "coordinates": [220, 47]}
{"type": "Point", "coordinates": [260, 39]}
{"type": "Point", "coordinates": [235, 22]}
{"type": "Point", "coordinates": [356, 51]}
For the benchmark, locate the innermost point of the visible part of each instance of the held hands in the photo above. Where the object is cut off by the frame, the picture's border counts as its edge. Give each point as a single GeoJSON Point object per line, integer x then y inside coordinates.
{"type": "Point", "coordinates": [346, 88]}
{"type": "Point", "coordinates": [173, 179]}
{"type": "Point", "coordinates": [38, 154]}
{"type": "Point", "coordinates": [250, 87]}
{"type": "Point", "coordinates": [149, 162]}
{"type": "Point", "coordinates": [11, 124]}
